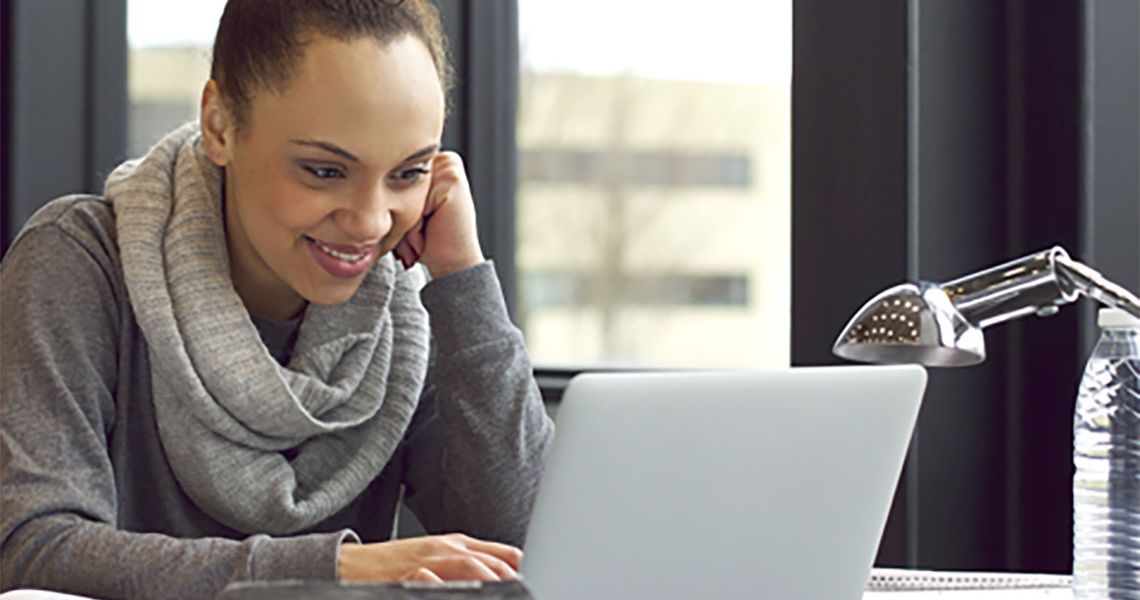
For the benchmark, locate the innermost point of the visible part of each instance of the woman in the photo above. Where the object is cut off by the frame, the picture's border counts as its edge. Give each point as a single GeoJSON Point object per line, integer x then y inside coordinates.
{"type": "Point", "coordinates": [218, 371]}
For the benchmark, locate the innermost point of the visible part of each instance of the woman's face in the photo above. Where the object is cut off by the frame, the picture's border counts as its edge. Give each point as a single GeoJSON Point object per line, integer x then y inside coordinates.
{"type": "Point", "coordinates": [329, 175]}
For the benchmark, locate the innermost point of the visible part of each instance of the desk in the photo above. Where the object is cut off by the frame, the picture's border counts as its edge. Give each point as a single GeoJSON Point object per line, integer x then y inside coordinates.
{"type": "Point", "coordinates": [1047, 594]}
{"type": "Point", "coordinates": [885, 584]}
{"type": "Point", "coordinates": [1042, 594]}
{"type": "Point", "coordinates": [909, 584]}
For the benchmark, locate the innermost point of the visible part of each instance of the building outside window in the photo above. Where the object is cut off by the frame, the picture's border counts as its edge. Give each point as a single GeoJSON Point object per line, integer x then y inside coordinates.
{"type": "Point", "coordinates": [168, 62]}
{"type": "Point", "coordinates": [654, 183]}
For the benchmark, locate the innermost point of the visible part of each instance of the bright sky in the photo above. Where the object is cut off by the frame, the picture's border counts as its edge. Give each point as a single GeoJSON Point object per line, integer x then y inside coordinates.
{"type": "Point", "coordinates": [737, 41]}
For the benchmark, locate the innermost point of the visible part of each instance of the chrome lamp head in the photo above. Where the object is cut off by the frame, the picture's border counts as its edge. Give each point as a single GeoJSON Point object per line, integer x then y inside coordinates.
{"type": "Point", "coordinates": [940, 325]}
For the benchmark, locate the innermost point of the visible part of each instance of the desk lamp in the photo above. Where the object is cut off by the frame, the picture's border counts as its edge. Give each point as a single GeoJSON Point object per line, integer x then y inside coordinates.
{"type": "Point", "coordinates": [940, 325]}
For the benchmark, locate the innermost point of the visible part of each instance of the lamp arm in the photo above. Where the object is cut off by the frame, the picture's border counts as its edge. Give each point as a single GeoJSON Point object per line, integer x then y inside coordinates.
{"type": "Point", "coordinates": [1091, 283]}
{"type": "Point", "coordinates": [1025, 286]}
{"type": "Point", "coordinates": [1036, 284]}
{"type": "Point", "coordinates": [941, 324]}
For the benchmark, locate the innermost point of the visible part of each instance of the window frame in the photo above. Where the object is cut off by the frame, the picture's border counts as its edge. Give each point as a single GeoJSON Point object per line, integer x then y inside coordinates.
{"type": "Point", "coordinates": [484, 48]}
{"type": "Point", "coordinates": [996, 129]}
{"type": "Point", "coordinates": [65, 132]}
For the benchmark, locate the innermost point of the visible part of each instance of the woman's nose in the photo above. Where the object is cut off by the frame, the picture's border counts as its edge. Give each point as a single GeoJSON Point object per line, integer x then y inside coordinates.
{"type": "Point", "coordinates": [369, 218]}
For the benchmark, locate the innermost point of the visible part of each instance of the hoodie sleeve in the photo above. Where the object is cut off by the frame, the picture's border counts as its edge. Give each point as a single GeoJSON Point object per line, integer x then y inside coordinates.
{"type": "Point", "coordinates": [59, 328]}
{"type": "Point", "coordinates": [476, 448]}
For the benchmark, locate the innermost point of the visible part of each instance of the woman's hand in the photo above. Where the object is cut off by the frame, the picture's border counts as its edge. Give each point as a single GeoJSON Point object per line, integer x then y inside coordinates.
{"type": "Point", "coordinates": [453, 557]}
{"type": "Point", "coordinates": [445, 239]}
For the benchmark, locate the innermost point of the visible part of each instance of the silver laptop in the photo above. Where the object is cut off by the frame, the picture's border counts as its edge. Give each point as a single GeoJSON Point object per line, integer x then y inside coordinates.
{"type": "Point", "coordinates": [765, 484]}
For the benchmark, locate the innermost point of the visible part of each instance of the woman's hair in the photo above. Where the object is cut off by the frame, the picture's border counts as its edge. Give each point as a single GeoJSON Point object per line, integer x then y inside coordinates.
{"type": "Point", "coordinates": [260, 43]}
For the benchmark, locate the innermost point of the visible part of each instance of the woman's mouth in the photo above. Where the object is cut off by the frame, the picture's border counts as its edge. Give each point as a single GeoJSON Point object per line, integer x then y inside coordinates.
{"type": "Point", "coordinates": [341, 260]}
{"type": "Point", "coordinates": [345, 256]}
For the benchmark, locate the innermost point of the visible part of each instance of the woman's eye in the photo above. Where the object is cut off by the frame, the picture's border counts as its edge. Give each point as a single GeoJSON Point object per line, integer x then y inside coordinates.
{"type": "Point", "coordinates": [411, 175]}
{"type": "Point", "coordinates": [325, 172]}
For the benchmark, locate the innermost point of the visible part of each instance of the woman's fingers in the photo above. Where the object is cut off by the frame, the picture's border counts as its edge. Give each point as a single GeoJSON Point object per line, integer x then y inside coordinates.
{"type": "Point", "coordinates": [415, 238]}
{"type": "Point", "coordinates": [460, 567]}
{"type": "Point", "coordinates": [504, 571]}
{"type": "Point", "coordinates": [450, 237]}
{"type": "Point", "coordinates": [405, 254]}
{"type": "Point", "coordinates": [411, 247]}
{"type": "Point", "coordinates": [464, 557]}
{"type": "Point", "coordinates": [503, 559]}
{"type": "Point", "coordinates": [504, 552]}
{"type": "Point", "coordinates": [454, 557]}
{"type": "Point", "coordinates": [422, 574]}
{"type": "Point", "coordinates": [445, 176]}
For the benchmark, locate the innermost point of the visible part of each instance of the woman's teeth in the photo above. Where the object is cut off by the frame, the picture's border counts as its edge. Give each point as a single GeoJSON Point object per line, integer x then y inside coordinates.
{"type": "Point", "coordinates": [340, 255]}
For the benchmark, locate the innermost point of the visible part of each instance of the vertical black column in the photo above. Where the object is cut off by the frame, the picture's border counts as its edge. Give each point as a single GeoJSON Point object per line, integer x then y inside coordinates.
{"type": "Point", "coordinates": [48, 134]}
{"type": "Point", "coordinates": [484, 39]}
{"type": "Point", "coordinates": [998, 165]}
{"type": "Point", "coordinates": [109, 104]}
{"type": "Point", "coordinates": [492, 113]}
{"type": "Point", "coordinates": [934, 138]}
{"type": "Point", "coordinates": [454, 16]}
{"type": "Point", "coordinates": [1110, 144]}
{"type": "Point", "coordinates": [1045, 357]}
{"type": "Point", "coordinates": [65, 101]}
{"type": "Point", "coordinates": [6, 52]}
{"type": "Point", "coordinates": [849, 179]}
{"type": "Point", "coordinates": [958, 161]}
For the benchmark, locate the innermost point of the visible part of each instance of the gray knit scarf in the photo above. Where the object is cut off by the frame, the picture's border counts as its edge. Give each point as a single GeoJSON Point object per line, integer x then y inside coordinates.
{"type": "Point", "coordinates": [225, 409]}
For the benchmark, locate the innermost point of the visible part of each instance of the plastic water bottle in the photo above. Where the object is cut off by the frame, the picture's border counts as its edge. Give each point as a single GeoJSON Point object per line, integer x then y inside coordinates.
{"type": "Point", "coordinates": [1106, 453]}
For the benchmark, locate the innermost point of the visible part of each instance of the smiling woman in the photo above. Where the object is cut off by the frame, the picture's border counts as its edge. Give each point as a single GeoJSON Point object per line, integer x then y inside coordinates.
{"type": "Point", "coordinates": [315, 200]}
{"type": "Point", "coordinates": [258, 382]}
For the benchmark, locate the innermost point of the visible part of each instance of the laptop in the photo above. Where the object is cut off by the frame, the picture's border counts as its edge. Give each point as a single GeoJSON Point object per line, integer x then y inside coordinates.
{"type": "Point", "coordinates": [721, 484]}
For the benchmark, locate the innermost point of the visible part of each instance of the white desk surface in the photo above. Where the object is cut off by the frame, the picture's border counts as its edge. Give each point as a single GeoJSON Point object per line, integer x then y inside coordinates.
{"type": "Point", "coordinates": [1046, 594]}
{"type": "Point", "coordinates": [911, 584]}
{"type": "Point", "coordinates": [1050, 594]}
{"type": "Point", "coordinates": [881, 575]}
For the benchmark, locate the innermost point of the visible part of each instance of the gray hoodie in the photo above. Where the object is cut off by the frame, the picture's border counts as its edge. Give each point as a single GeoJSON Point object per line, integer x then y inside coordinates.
{"type": "Point", "coordinates": [88, 502]}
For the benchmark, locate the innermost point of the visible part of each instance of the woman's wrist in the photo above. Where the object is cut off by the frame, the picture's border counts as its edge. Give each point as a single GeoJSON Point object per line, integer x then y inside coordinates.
{"type": "Point", "coordinates": [348, 562]}
{"type": "Point", "coordinates": [447, 268]}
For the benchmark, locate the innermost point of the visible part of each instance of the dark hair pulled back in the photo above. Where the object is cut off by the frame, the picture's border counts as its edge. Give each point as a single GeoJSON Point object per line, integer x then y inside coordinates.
{"type": "Point", "coordinates": [260, 43]}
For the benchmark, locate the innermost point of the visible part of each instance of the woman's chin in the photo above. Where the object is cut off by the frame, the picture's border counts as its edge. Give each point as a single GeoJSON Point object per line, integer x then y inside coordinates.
{"type": "Point", "coordinates": [332, 295]}
{"type": "Point", "coordinates": [331, 288]}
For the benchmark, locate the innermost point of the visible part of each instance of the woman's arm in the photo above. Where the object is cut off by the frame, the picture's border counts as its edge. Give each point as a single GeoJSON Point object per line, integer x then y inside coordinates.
{"type": "Point", "coordinates": [475, 451]}
{"type": "Point", "coordinates": [60, 338]}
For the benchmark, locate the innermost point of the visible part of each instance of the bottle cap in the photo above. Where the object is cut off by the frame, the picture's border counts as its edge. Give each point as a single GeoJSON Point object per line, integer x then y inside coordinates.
{"type": "Point", "coordinates": [1115, 318]}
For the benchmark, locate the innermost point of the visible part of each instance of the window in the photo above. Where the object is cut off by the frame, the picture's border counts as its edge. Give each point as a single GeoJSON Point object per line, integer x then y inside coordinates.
{"type": "Point", "coordinates": [653, 199]}
{"type": "Point", "coordinates": [168, 63]}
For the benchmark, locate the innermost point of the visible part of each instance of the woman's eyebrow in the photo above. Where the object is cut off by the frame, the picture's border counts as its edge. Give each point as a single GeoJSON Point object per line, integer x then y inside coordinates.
{"type": "Point", "coordinates": [337, 150]}
{"type": "Point", "coordinates": [421, 153]}
{"type": "Point", "coordinates": [327, 147]}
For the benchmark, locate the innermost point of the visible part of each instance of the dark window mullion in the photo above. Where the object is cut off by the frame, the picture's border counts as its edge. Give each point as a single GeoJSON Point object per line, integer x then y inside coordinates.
{"type": "Point", "coordinates": [484, 38]}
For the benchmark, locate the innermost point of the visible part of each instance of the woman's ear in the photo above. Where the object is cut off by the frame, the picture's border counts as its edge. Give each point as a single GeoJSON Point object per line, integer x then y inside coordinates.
{"type": "Point", "coordinates": [216, 125]}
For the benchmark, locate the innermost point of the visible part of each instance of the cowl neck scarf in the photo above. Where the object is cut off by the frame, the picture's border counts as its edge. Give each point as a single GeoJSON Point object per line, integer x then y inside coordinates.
{"type": "Point", "coordinates": [226, 410]}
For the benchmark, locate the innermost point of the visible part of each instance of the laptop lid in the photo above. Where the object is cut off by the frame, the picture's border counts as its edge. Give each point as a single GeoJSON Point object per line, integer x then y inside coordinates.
{"type": "Point", "coordinates": [720, 484]}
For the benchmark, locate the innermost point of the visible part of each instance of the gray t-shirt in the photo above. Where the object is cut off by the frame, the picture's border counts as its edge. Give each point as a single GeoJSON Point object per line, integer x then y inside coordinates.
{"type": "Point", "coordinates": [88, 501]}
